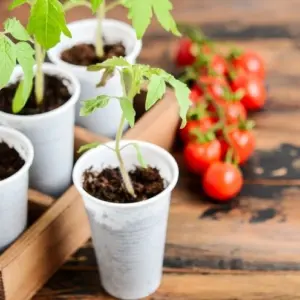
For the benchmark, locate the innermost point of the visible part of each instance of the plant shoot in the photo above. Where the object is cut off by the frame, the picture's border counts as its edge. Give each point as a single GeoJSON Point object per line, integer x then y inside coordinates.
{"type": "Point", "coordinates": [133, 77]}
{"type": "Point", "coordinates": [45, 25]}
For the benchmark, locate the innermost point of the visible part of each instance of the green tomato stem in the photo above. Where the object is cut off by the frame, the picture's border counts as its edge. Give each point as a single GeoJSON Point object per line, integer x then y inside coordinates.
{"type": "Point", "coordinates": [39, 76]}
{"type": "Point", "coordinates": [99, 31]}
{"type": "Point", "coordinates": [124, 173]}
{"type": "Point", "coordinates": [70, 5]}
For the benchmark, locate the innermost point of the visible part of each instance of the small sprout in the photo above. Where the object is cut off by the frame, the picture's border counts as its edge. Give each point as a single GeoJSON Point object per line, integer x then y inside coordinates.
{"type": "Point", "coordinates": [88, 147]}
{"type": "Point", "coordinates": [133, 77]}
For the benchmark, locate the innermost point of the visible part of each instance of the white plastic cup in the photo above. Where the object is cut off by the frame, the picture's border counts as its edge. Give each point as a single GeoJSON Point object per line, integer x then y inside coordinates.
{"type": "Point", "coordinates": [52, 136]}
{"type": "Point", "coordinates": [14, 189]}
{"type": "Point", "coordinates": [129, 239]}
{"type": "Point", "coordinates": [106, 120]}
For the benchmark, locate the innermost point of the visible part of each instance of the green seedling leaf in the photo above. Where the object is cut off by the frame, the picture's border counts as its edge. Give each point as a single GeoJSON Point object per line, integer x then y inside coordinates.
{"type": "Point", "coordinates": [156, 89]}
{"type": "Point", "coordinates": [47, 22]}
{"type": "Point", "coordinates": [96, 4]}
{"type": "Point", "coordinates": [141, 12]}
{"type": "Point", "coordinates": [139, 155]}
{"type": "Point", "coordinates": [182, 93]}
{"type": "Point", "coordinates": [110, 63]}
{"type": "Point", "coordinates": [162, 10]}
{"type": "Point", "coordinates": [89, 106]}
{"type": "Point", "coordinates": [17, 3]}
{"type": "Point", "coordinates": [128, 110]}
{"type": "Point", "coordinates": [25, 57]}
{"type": "Point", "coordinates": [88, 147]}
{"type": "Point", "coordinates": [7, 59]}
{"type": "Point", "coordinates": [16, 29]}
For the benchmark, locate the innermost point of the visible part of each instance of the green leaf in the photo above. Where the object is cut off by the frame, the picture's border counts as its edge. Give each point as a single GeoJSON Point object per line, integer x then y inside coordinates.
{"type": "Point", "coordinates": [17, 3]}
{"type": "Point", "coordinates": [162, 10]}
{"type": "Point", "coordinates": [16, 29]}
{"type": "Point", "coordinates": [128, 110]}
{"type": "Point", "coordinates": [7, 59]}
{"type": "Point", "coordinates": [139, 155]}
{"type": "Point", "coordinates": [88, 147]}
{"type": "Point", "coordinates": [96, 4]}
{"type": "Point", "coordinates": [89, 106]}
{"type": "Point", "coordinates": [140, 12]}
{"type": "Point", "coordinates": [110, 63]}
{"type": "Point", "coordinates": [25, 57]}
{"type": "Point", "coordinates": [156, 89]}
{"type": "Point", "coordinates": [47, 22]}
{"type": "Point", "coordinates": [182, 93]}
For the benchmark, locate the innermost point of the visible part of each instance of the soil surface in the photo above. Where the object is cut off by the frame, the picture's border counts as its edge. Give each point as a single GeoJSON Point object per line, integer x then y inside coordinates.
{"type": "Point", "coordinates": [10, 161]}
{"type": "Point", "coordinates": [56, 94]}
{"type": "Point", "coordinates": [85, 54]}
{"type": "Point", "coordinates": [108, 184]}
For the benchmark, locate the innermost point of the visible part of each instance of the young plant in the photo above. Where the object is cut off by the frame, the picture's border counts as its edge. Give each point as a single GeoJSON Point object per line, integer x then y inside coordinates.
{"type": "Point", "coordinates": [140, 12]}
{"type": "Point", "coordinates": [45, 25]}
{"type": "Point", "coordinates": [133, 78]}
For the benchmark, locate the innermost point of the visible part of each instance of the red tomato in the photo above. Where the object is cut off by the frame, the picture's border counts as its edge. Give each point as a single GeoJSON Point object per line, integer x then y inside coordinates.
{"type": "Point", "coordinates": [222, 181]}
{"type": "Point", "coordinates": [250, 62]}
{"type": "Point", "coordinates": [196, 94]}
{"type": "Point", "coordinates": [199, 156]}
{"type": "Point", "coordinates": [255, 92]}
{"type": "Point", "coordinates": [203, 125]}
{"type": "Point", "coordinates": [243, 143]}
{"type": "Point", "coordinates": [215, 86]}
{"type": "Point", "coordinates": [185, 56]}
{"type": "Point", "coordinates": [234, 112]}
{"type": "Point", "coordinates": [219, 65]}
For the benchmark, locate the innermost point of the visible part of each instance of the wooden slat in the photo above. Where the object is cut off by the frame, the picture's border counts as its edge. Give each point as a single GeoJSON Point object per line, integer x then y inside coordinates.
{"type": "Point", "coordinates": [42, 249]}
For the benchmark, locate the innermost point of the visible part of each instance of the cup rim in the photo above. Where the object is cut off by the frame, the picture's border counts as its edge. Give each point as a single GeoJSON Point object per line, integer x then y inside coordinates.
{"type": "Point", "coordinates": [28, 162]}
{"type": "Point", "coordinates": [162, 152]}
{"type": "Point", "coordinates": [52, 69]}
{"type": "Point", "coordinates": [55, 57]}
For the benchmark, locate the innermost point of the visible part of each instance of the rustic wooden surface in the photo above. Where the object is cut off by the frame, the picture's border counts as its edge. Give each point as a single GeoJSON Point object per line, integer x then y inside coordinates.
{"type": "Point", "coordinates": [248, 250]}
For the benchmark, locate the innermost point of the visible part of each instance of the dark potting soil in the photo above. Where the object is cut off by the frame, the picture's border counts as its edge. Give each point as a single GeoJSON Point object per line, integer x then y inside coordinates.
{"type": "Point", "coordinates": [10, 161]}
{"type": "Point", "coordinates": [107, 185]}
{"type": "Point", "coordinates": [85, 54]}
{"type": "Point", "coordinates": [56, 94]}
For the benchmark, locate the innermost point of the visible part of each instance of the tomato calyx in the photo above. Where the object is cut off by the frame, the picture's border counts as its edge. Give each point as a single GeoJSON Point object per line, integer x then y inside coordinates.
{"type": "Point", "coordinates": [231, 96]}
{"type": "Point", "coordinates": [246, 125]}
{"type": "Point", "coordinates": [203, 137]}
{"type": "Point", "coordinates": [235, 53]}
{"type": "Point", "coordinates": [198, 112]}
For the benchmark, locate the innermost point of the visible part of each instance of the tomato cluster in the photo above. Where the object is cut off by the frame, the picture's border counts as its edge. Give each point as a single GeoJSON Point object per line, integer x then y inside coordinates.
{"type": "Point", "coordinates": [218, 137]}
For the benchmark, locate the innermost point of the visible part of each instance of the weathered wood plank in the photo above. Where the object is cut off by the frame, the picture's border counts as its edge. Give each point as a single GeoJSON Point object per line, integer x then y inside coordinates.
{"type": "Point", "coordinates": [204, 285]}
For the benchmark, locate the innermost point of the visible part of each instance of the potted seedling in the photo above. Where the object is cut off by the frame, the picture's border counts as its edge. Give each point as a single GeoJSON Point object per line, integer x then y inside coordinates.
{"type": "Point", "coordinates": [16, 156]}
{"type": "Point", "coordinates": [39, 98]}
{"type": "Point", "coordinates": [126, 187]}
{"type": "Point", "coordinates": [95, 40]}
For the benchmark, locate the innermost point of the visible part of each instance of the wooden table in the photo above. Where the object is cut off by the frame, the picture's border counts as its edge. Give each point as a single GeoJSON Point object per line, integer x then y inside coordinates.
{"type": "Point", "coordinates": [196, 266]}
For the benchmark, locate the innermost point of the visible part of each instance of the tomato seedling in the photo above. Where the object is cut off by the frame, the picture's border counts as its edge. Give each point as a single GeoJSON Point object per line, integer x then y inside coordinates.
{"type": "Point", "coordinates": [133, 77]}
{"type": "Point", "coordinates": [139, 12]}
{"type": "Point", "coordinates": [45, 25]}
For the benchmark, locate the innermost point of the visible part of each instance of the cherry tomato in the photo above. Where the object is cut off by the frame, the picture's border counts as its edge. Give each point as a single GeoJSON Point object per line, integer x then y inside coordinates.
{"type": "Point", "coordinates": [234, 112]}
{"type": "Point", "coordinates": [222, 181]}
{"type": "Point", "coordinates": [203, 125]}
{"type": "Point", "coordinates": [196, 94]}
{"type": "Point", "coordinates": [185, 56]}
{"type": "Point", "coordinates": [199, 156]}
{"type": "Point", "coordinates": [219, 65]}
{"type": "Point", "coordinates": [243, 143]}
{"type": "Point", "coordinates": [255, 92]}
{"type": "Point", "coordinates": [250, 62]}
{"type": "Point", "coordinates": [215, 86]}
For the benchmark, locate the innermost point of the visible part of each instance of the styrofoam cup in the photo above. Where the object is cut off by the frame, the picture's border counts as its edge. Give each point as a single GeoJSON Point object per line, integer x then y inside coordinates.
{"type": "Point", "coordinates": [106, 120]}
{"type": "Point", "coordinates": [14, 189]}
{"type": "Point", "coordinates": [52, 135]}
{"type": "Point", "coordinates": [129, 239]}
